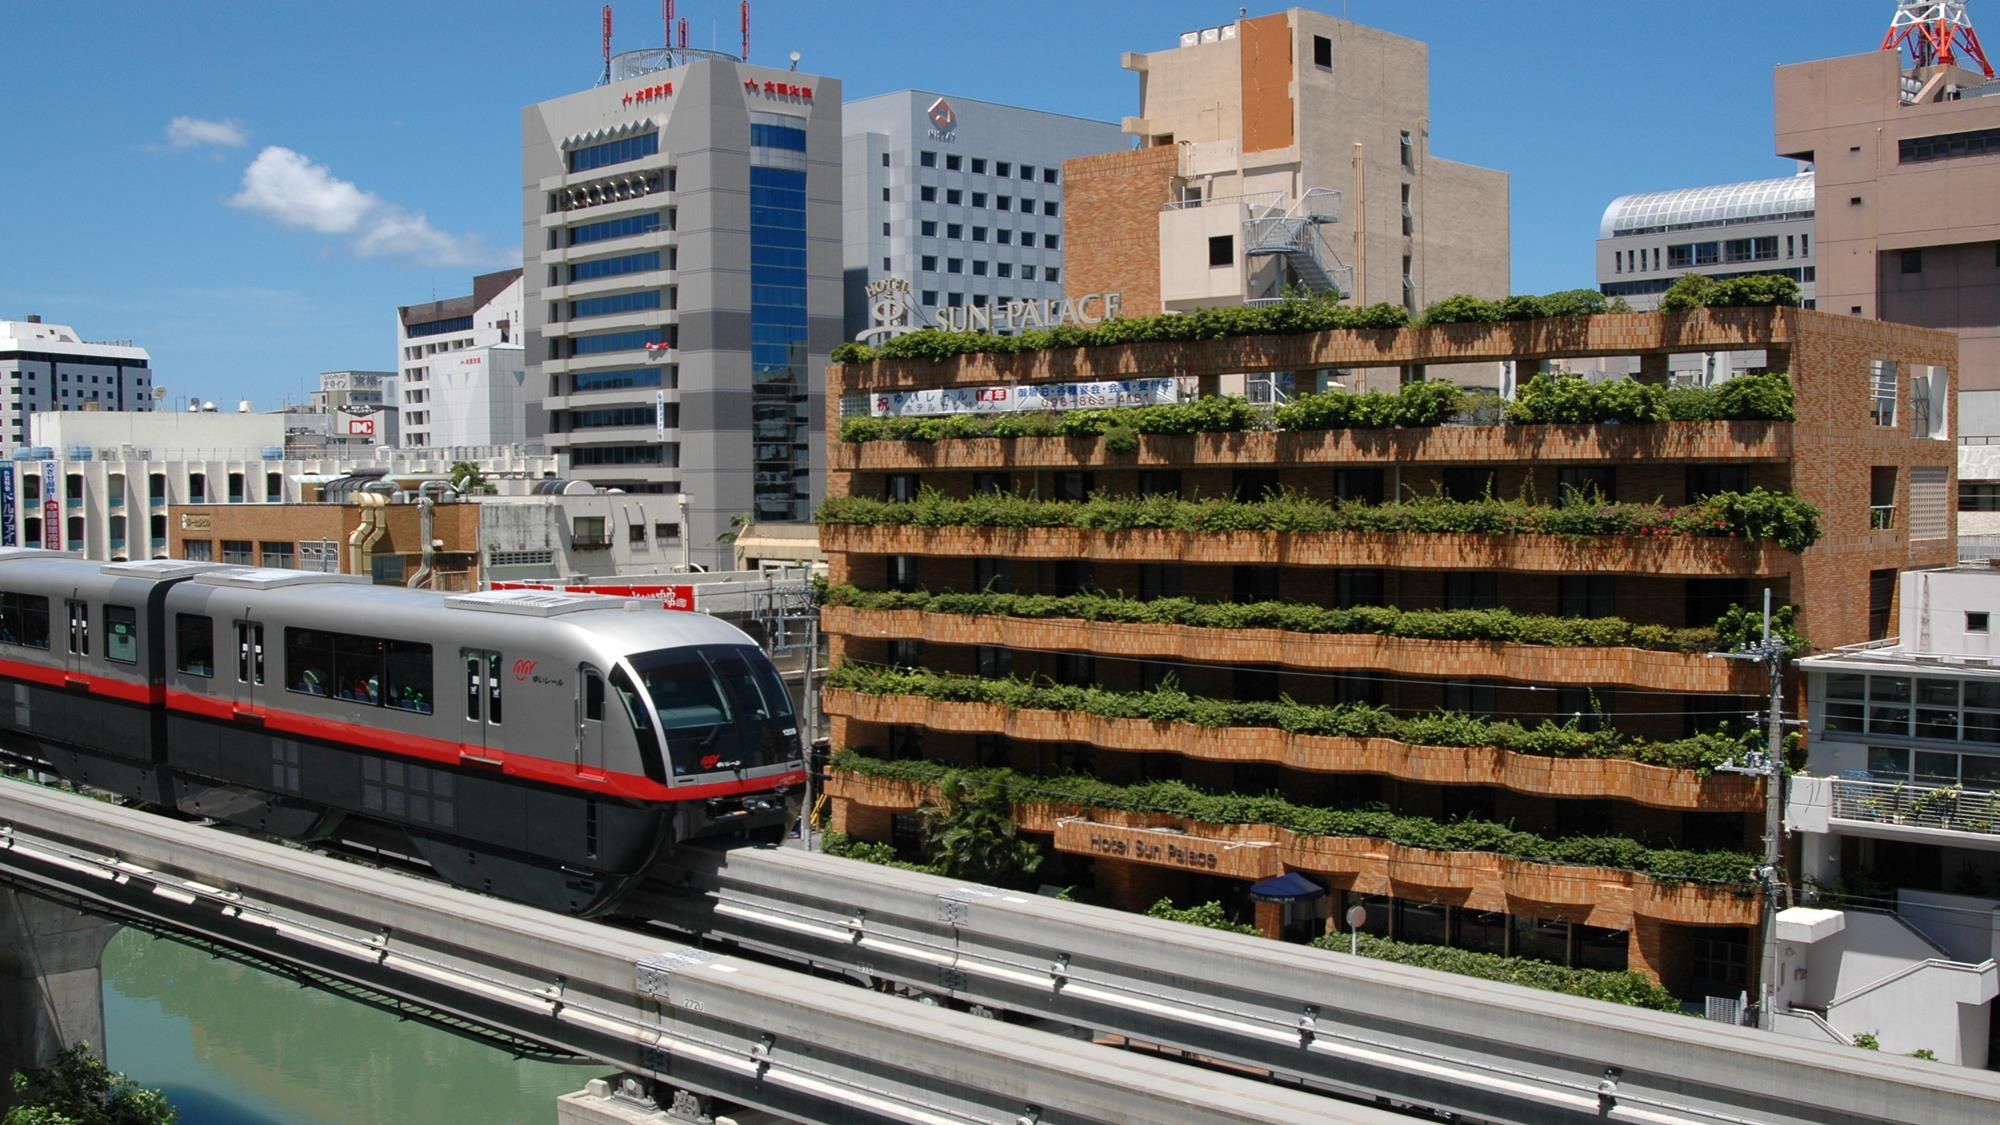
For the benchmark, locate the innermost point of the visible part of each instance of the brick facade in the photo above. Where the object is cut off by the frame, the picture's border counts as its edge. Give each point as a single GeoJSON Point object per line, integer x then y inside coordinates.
{"type": "Point", "coordinates": [1111, 209]}
{"type": "Point", "coordinates": [1839, 443]}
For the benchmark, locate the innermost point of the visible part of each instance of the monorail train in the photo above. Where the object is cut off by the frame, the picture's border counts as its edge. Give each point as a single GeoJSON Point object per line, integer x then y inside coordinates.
{"type": "Point", "coordinates": [542, 747]}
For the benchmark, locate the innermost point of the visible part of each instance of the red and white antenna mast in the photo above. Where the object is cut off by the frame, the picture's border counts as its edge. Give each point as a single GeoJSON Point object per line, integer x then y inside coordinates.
{"type": "Point", "coordinates": [684, 33]}
{"type": "Point", "coordinates": [606, 80]}
{"type": "Point", "coordinates": [1934, 32]}
{"type": "Point", "coordinates": [667, 14]}
{"type": "Point", "coordinates": [746, 30]}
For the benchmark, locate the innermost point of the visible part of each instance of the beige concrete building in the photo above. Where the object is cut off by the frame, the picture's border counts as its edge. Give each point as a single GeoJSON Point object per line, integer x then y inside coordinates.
{"type": "Point", "coordinates": [1301, 158]}
{"type": "Point", "coordinates": [1907, 173]}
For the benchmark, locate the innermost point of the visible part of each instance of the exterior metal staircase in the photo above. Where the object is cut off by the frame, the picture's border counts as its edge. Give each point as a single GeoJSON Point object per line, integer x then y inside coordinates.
{"type": "Point", "coordinates": [1292, 235]}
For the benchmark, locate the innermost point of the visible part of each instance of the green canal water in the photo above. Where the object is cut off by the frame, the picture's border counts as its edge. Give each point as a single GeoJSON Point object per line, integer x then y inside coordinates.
{"type": "Point", "coordinates": [231, 1045]}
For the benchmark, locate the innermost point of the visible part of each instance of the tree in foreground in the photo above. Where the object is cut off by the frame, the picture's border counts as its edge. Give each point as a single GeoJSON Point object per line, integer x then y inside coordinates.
{"type": "Point", "coordinates": [77, 1089]}
{"type": "Point", "coordinates": [971, 833]}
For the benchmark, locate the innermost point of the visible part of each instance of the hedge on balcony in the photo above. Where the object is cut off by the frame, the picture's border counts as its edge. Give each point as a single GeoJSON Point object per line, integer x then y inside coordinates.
{"type": "Point", "coordinates": [1635, 989]}
{"type": "Point", "coordinates": [1294, 617]}
{"type": "Point", "coordinates": [1169, 704]}
{"type": "Point", "coordinates": [1546, 398]}
{"type": "Point", "coordinates": [1785, 519]}
{"type": "Point", "coordinates": [1564, 398]}
{"type": "Point", "coordinates": [1316, 313]}
{"type": "Point", "coordinates": [1175, 798]}
{"type": "Point", "coordinates": [1298, 314]}
{"type": "Point", "coordinates": [1418, 404]}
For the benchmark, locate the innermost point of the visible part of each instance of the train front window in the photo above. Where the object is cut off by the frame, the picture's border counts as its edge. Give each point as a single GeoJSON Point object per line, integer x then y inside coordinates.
{"type": "Point", "coordinates": [720, 708]}
{"type": "Point", "coordinates": [755, 684]}
{"type": "Point", "coordinates": [690, 702]}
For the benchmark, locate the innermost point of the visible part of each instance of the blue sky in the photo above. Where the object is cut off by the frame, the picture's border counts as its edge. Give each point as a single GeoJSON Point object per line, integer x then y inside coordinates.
{"type": "Point", "coordinates": [249, 189]}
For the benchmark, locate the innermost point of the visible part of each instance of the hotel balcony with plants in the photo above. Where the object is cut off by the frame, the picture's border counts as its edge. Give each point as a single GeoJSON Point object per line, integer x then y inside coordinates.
{"type": "Point", "coordinates": [1439, 650]}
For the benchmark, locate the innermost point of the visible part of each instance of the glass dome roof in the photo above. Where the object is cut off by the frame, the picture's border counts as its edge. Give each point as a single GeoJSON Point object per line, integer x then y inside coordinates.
{"type": "Point", "coordinates": [1716, 205]}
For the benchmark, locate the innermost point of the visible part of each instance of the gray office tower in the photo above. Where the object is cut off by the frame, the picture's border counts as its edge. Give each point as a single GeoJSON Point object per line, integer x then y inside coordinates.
{"type": "Point", "coordinates": [680, 227]}
{"type": "Point", "coordinates": [961, 199]}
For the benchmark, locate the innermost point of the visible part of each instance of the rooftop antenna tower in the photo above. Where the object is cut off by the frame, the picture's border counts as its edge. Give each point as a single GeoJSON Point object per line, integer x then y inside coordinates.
{"type": "Point", "coordinates": [1934, 32]}
{"type": "Point", "coordinates": [606, 80]}
{"type": "Point", "coordinates": [746, 30]}
{"type": "Point", "coordinates": [684, 33]}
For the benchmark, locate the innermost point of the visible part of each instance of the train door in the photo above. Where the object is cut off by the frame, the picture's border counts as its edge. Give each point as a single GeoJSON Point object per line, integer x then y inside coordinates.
{"type": "Point", "coordinates": [590, 721]}
{"type": "Point", "coordinates": [84, 721]}
{"type": "Point", "coordinates": [479, 670]}
{"type": "Point", "coordinates": [248, 692]}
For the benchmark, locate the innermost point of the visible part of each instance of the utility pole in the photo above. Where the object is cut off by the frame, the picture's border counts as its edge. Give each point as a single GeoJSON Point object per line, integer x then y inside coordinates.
{"type": "Point", "coordinates": [1769, 652]}
{"type": "Point", "coordinates": [811, 727]}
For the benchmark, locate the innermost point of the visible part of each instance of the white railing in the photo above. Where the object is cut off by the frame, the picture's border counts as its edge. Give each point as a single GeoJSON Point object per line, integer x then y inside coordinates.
{"type": "Point", "coordinates": [1259, 199]}
{"type": "Point", "coordinates": [1948, 808]}
{"type": "Point", "coordinates": [1881, 517]}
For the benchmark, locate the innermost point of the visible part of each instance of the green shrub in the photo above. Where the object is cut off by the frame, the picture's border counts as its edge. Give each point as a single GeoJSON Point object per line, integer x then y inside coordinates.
{"type": "Point", "coordinates": [1175, 798]}
{"type": "Point", "coordinates": [1741, 626]}
{"type": "Point", "coordinates": [1635, 989]}
{"type": "Point", "coordinates": [1208, 915]}
{"type": "Point", "coordinates": [1169, 704]}
{"type": "Point", "coordinates": [1574, 399]}
{"type": "Point", "coordinates": [1867, 1041]}
{"type": "Point", "coordinates": [1766, 396]}
{"type": "Point", "coordinates": [1388, 621]}
{"type": "Point", "coordinates": [1464, 309]}
{"type": "Point", "coordinates": [1785, 519]}
{"type": "Point", "coordinates": [1754, 291]}
{"type": "Point", "coordinates": [1689, 291]}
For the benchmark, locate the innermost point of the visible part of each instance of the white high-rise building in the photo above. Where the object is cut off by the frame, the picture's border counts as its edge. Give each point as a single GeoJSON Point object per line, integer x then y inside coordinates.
{"type": "Point", "coordinates": [464, 377]}
{"type": "Point", "coordinates": [47, 367]}
{"type": "Point", "coordinates": [960, 198]}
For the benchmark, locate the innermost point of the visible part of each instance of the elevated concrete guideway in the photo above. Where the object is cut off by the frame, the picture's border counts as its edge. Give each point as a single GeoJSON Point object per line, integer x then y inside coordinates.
{"type": "Point", "coordinates": [1492, 1051]}
{"type": "Point", "coordinates": [799, 1046]}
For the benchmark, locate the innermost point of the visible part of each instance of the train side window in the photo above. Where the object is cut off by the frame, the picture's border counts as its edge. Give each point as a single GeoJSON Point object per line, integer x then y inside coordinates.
{"type": "Point", "coordinates": [194, 644]}
{"type": "Point", "coordinates": [493, 688]}
{"type": "Point", "coordinates": [409, 677]}
{"type": "Point", "coordinates": [24, 620]}
{"type": "Point", "coordinates": [593, 695]}
{"type": "Point", "coordinates": [308, 661]}
{"type": "Point", "coordinates": [79, 626]}
{"type": "Point", "coordinates": [121, 634]}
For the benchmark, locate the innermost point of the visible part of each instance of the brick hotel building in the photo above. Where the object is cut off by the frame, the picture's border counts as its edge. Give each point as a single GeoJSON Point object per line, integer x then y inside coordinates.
{"type": "Point", "coordinates": [1871, 448]}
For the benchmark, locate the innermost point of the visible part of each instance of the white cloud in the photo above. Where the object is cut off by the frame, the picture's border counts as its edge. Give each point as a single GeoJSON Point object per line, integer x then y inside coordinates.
{"type": "Point", "coordinates": [191, 132]}
{"type": "Point", "coordinates": [288, 188]}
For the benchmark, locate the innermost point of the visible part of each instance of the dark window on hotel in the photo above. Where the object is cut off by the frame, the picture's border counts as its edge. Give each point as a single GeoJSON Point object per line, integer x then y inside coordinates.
{"type": "Point", "coordinates": [1251, 485]}
{"type": "Point", "coordinates": [1222, 250]}
{"type": "Point", "coordinates": [1364, 485]}
{"type": "Point", "coordinates": [1323, 52]}
{"type": "Point", "coordinates": [1159, 482]}
{"type": "Point", "coordinates": [1467, 485]}
{"type": "Point", "coordinates": [1709, 598]}
{"type": "Point", "coordinates": [1913, 261]}
{"type": "Point", "coordinates": [1586, 484]}
{"type": "Point", "coordinates": [1357, 587]}
{"type": "Point", "coordinates": [1471, 590]}
{"type": "Point", "coordinates": [1707, 480]}
{"type": "Point", "coordinates": [927, 159]}
{"type": "Point", "coordinates": [1070, 485]}
{"type": "Point", "coordinates": [1881, 596]}
{"type": "Point", "coordinates": [1586, 595]}
{"type": "Point", "coordinates": [1948, 146]}
{"type": "Point", "coordinates": [1253, 583]}
{"type": "Point", "coordinates": [1159, 580]}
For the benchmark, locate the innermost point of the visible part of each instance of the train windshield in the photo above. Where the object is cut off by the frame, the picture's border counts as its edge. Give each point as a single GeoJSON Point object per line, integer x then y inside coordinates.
{"type": "Point", "coordinates": [721, 708]}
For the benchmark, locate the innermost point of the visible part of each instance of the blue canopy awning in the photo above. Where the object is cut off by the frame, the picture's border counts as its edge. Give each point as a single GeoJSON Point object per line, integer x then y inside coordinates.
{"type": "Point", "coordinates": [1289, 887]}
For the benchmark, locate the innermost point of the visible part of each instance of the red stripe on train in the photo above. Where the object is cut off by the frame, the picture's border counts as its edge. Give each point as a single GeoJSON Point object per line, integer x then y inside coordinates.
{"type": "Point", "coordinates": [452, 753]}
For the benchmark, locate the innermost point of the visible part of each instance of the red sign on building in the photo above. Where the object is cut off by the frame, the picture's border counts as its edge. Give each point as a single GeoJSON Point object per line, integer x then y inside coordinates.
{"type": "Point", "coordinates": [678, 597]}
{"type": "Point", "coordinates": [52, 525]}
